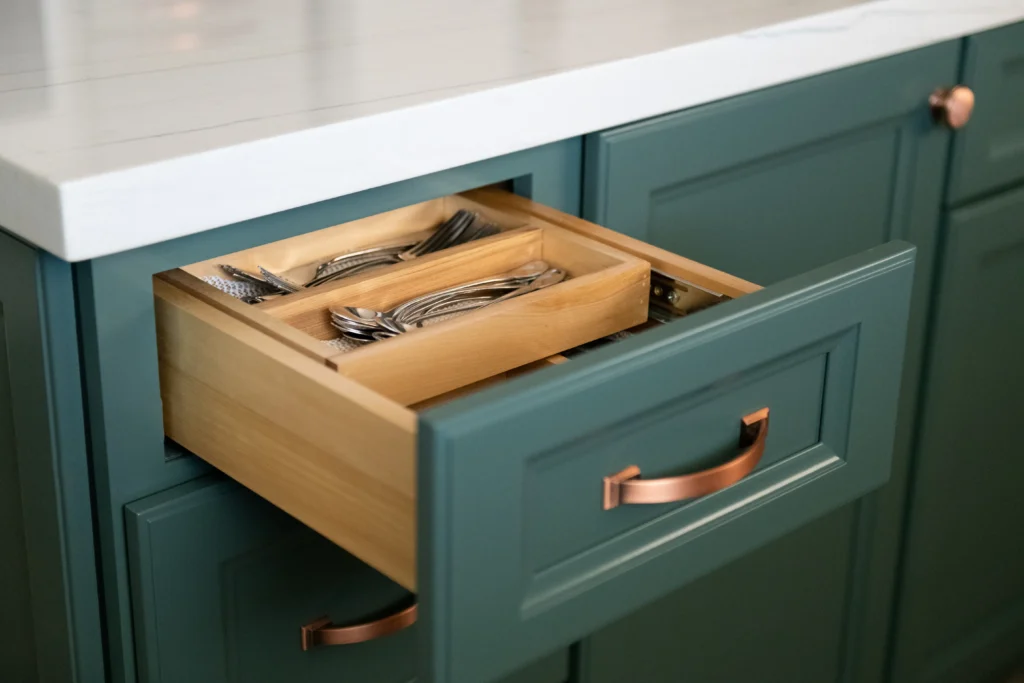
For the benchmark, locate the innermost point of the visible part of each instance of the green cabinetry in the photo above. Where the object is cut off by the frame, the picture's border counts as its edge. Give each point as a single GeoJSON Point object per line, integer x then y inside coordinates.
{"type": "Point", "coordinates": [989, 152]}
{"type": "Point", "coordinates": [49, 605]}
{"type": "Point", "coordinates": [919, 581]}
{"type": "Point", "coordinates": [961, 615]}
{"type": "Point", "coordinates": [222, 582]}
{"type": "Point", "coordinates": [768, 185]}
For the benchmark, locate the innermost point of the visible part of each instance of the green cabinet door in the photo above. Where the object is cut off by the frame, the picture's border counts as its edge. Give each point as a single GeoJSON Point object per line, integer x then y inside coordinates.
{"type": "Point", "coordinates": [961, 616]}
{"type": "Point", "coordinates": [989, 152]}
{"type": "Point", "coordinates": [222, 582]}
{"type": "Point", "coordinates": [766, 186]}
{"type": "Point", "coordinates": [49, 603]}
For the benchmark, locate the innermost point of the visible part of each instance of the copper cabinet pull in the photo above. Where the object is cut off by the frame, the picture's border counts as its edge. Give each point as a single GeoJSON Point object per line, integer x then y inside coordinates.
{"type": "Point", "coordinates": [952, 106]}
{"type": "Point", "coordinates": [627, 488]}
{"type": "Point", "coordinates": [322, 632]}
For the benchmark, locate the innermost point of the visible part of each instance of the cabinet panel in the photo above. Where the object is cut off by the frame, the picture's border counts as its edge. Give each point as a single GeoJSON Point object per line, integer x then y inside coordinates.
{"type": "Point", "coordinates": [222, 582]}
{"type": "Point", "coordinates": [779, 181]}
{"type": "Point", "coordinates": [963, 589]}
{"type": "Point", "coordinates": [49, 609]}
{"type": "Point", "coordinates": [768, 618]}
{"type": "Point", "coordinates": [989, 150]}
{"type": "Point", "coordinates": [492, 583]}
{"type": "Point", "coordinates": [765, 186]}
{"type": "Point", "coordinates": [17, 644]}
{"type": "Point", "coordinates": [792, 212]}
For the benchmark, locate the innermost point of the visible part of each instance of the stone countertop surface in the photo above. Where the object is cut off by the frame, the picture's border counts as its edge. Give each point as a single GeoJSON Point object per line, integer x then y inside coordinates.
{"type": "Point", "coordinates": [124, 124]}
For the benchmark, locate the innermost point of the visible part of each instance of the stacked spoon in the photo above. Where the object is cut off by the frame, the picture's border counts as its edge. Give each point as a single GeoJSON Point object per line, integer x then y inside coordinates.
{"type": "Point", "coordinates": [364, 325]}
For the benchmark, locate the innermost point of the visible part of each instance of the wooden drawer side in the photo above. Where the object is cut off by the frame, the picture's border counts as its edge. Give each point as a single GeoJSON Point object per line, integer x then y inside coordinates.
{"type": "Point", "coordinates": [333, 454]}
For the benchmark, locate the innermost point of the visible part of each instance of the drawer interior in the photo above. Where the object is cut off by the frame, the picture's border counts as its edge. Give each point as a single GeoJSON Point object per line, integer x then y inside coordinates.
{"type": "Point", "coordinates": [606, 291]}
{"type": "Point", "coordinates": [330, 436]}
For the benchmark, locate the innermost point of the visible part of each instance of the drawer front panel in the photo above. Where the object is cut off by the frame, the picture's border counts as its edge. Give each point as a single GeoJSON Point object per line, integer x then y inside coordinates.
{"type": "Point", "coordinates": [989, 151]}
{"type": "Point", "coordinates": [222, 582]}
{"type": "Point", "coordinates": [777, 182]}
{"type": "Point", "coordinates": [516, 553]}
{"type": "Point", "coordinates": [684, 434]}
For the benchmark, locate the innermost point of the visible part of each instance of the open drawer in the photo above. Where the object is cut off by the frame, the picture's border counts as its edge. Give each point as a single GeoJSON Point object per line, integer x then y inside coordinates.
{"type": "Point", "coordinates": [532, 511]}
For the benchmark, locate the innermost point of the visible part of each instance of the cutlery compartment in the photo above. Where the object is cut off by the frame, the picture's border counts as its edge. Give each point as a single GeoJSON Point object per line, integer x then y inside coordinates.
{"type": "Point", "coordinates": [606, 290]}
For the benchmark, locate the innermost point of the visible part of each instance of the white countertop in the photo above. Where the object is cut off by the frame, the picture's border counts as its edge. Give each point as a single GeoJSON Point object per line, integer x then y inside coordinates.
{"type": "Point", "coordinates": [125, 123]}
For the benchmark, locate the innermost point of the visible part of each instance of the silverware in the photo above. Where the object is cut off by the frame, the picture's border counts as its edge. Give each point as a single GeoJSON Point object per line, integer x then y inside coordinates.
{"type": "Point", "coordinates": [463, 226]}
{"type": "Point", "coordinates": [243, 275]}
{"type": "Point", "coordinates": [328, 265]}
{"type": "Point", "coordinates": [548, 278]}
{"type": "Point", "coordinates": [362, 324]}
{"type": "Point", "coordinates": [514, 278]}
{"type": "Point", "coordinates": [446, 234]}
{"type": "Point", "coordinates": [284, 284]}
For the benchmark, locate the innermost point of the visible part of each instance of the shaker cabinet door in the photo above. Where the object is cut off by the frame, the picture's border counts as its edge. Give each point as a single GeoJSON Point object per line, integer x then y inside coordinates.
{"type": "Point", "coordinates": [961, 614]}
{"type": "Point", "coordinates": [777, 182]}
{"type": "Point", "coordinates": [989, 151]}
{"type": "Point", "coordinates": [222, 581]}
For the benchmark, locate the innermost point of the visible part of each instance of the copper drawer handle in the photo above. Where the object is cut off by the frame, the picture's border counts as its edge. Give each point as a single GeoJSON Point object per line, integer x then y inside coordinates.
{"type": "Point", "coordinates": [627, 488]}
{"type": "Point", "coordinates": [322, 632]}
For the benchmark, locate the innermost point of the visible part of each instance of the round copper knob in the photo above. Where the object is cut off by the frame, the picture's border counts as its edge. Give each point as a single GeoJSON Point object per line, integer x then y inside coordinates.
{"type": "Point", "coordinates": [952, 106]}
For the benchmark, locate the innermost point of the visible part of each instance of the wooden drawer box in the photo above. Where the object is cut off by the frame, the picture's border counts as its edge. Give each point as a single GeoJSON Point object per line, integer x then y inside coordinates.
{"type": "Point", "coordinates": [496, 508]}
{"type": "Point", "coordinates": [606, 292]}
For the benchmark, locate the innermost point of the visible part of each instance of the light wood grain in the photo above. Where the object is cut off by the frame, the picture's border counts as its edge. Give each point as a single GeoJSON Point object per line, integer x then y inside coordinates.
{"type": "Point", "coordinates": [514, 208]}
{"type": "Point", "coordinates": [383, 289]}
{"type": "Point", "coordinates": [424, 363]}
{"type": "Point", "coordinates": [541, 364]}
{"type": "Point", "coordinates": [460, 392]}
{"type": "Point", "coordinates": [297, 257]}
{"type": "Point", "coordinates": [248, 314]}
{"type": "Point", "coordinates": [328, 451]}
{"type": "Point", "coordinates": [500, 378]}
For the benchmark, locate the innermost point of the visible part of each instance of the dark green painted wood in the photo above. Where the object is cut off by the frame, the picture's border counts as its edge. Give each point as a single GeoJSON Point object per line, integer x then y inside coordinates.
{"type": "Point", "coordinates": [961, 614]}
{"type": "Point", "coordinates": [49, 606]}
{"type": "Point", "coordinates": [17, 640]}
{"type": "Point", "coordinates": [780, 181]}
{"type": "Point", "coordinates": [768, 627]}
{"type": "Point", "coordinates": [497, 589]}
{"type": "Point", "coordinates": [989, 151]}
{"type": "Point", "coordinates": [222, 581]}
{"type": "Point", "coordinates": [785, 191]}
{"type": "Point", "coordinates": [119, 341]}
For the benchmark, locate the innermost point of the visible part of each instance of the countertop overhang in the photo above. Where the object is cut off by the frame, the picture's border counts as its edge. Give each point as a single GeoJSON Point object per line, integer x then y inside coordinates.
{"type": "Point", "coordinates": [123, 125]}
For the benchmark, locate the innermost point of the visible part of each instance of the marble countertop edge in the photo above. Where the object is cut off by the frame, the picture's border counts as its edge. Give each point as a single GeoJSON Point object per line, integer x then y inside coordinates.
{"type": "Point", "coordinates": [81, 218]}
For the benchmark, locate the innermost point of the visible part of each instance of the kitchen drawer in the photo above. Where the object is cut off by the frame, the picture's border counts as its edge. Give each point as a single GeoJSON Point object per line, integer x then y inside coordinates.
{"type": "Point", "coordinates": [221, 582]}
{"type": "Point", "coordinates": [988, 153]}
{"type": "Point", "coordinates": [498, 508]}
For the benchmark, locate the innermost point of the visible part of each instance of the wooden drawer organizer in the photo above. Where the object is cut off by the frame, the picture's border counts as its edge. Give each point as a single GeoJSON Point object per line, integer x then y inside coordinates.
{"type": "Point", "coordinates": [330, 437]}
{"type": "Point", "coordinates": [607, 291]}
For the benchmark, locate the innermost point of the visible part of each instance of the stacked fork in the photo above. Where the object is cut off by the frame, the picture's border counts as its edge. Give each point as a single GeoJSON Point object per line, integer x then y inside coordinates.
{"type": "Point", "coordinates": [464, 226]}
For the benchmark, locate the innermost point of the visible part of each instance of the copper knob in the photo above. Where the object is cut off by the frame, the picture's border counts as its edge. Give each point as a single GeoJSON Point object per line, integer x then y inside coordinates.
{"type": "Point", "coordinates": [952, 106]}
